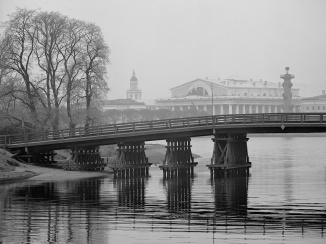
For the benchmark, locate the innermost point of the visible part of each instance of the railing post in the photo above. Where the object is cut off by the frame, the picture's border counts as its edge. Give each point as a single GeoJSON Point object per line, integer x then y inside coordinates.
{"type": "Point", "coordinates": [115, 129]}
{"type": "Point", "coordinates": [263, 118]}
{"type": "Point", "coordinates": [169, 123]}
{"type": "Point", "coordinates": [133, 127]}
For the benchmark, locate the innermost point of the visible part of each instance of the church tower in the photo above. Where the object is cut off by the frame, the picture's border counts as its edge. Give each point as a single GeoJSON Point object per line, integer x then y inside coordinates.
{"type": "Point", "coordinates": [133, 93]}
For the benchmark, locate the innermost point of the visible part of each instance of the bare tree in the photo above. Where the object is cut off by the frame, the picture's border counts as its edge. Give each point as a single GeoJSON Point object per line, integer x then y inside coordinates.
{"type": "Point", "coordinates": [49, 36]}
{"type": "Point", "coordinates": [17, 48]}
{"type": "Point", "coordinates": [95, 58]}
{"type": "Point", "coordinates": [71, 52]}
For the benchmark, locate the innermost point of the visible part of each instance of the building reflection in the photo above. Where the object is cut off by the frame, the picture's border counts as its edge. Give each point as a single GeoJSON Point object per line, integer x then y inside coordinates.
{"type": "Point", "coordinates": [65, 212]}
{"type": "Point", "coordinates": [178, 192]}
{"type": "Point", "coordinates": [131, 191]}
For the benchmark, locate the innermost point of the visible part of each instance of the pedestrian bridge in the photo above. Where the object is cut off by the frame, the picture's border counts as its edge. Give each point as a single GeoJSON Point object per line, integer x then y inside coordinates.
{"type": "Point", "coordinates": [230, 131]}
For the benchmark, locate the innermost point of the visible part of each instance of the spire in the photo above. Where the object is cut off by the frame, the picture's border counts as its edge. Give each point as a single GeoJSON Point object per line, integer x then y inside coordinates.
{"type": "Point", "coordinates": [133, 78]}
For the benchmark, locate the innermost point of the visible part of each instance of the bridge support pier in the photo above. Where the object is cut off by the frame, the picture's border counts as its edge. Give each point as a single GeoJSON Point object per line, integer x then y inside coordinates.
{"type": "Point", "coordinates": [178, 158]}
{"type": "Point", "coordinates": [85, 158]}
{"type": "Point", "coordinates": [230, 155]}
{"type": "Point", "coordinates": [131, 160]}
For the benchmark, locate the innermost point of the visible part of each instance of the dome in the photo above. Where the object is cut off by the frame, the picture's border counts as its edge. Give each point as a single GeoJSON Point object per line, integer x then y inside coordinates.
{"type": "Point", "coordinates": [133, 78]}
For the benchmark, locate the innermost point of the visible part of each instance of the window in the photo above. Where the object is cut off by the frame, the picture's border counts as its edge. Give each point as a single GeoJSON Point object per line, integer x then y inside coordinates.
{"type": "Point", "coordinates": [324, 108]}
{"type": "Point", "coordinates": [313, 108]}
{"type": "Point", "coordinates": [318, 108]}
{"type": "Point", "coordinates": [307, 108]}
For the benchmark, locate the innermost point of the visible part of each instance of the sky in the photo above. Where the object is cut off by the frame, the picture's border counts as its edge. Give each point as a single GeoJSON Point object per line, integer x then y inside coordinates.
{"type": "Point", "coordinates": [171, 42]}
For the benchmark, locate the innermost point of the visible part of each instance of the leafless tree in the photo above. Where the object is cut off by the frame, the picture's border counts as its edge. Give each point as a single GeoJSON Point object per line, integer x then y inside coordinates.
{"type": "Point", "coordinates": [94, 61]}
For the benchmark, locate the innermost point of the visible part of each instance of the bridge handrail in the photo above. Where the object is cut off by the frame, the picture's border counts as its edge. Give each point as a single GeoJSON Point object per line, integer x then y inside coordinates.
{"type": "Point", "coordinates": [166, 124]}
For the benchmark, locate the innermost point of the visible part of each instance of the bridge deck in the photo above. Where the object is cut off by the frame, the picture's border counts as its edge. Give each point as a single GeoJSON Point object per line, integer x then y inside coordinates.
{"type": "Point", "coordinates": [162, 129]}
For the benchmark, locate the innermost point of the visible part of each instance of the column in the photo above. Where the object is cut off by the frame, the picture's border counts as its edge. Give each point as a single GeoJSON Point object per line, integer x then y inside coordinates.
{"type": "Point", "coordinates": [269, 108]}
{"type": "Point", "coordinates": [237, 109]}
{"type": "Point", "coordinates": [230, 108]}
{"type": "Point", "coordinates": [257, 111]}
{"type": "Point", "coordinates": [222, 109]}
{"type": "Point", "coordinates": [263, 108]}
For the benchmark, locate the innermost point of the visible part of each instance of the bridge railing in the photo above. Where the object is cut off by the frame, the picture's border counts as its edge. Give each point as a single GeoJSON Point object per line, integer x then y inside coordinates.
{"type": "Point", "coordinates": [167, 124]}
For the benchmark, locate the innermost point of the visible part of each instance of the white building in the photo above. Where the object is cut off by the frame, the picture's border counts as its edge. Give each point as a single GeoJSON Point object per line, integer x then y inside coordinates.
{"type": "Point", "coordinates": [234, 95]}
{"type": "Point", "coordinates": [314, 104]}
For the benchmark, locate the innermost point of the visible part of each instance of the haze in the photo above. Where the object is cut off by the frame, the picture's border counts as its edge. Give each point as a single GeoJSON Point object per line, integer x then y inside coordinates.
{"type": "Point", "coordinates": [171, 42]}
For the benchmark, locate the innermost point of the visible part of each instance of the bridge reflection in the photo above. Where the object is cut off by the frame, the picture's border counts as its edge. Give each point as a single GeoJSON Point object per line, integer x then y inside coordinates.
{"type": "Point", "coordinates": [230, 195]}
{"type": "Point", "coordinates": [131, 191]}
{"type": "Point", "coordinates": [178, 193]}
{"type": "Point", "coordinates": [86, 211]}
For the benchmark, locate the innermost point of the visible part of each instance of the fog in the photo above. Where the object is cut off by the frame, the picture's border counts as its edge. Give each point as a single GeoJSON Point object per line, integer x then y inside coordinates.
{"type": "Point", "coordinates": [171, 42]}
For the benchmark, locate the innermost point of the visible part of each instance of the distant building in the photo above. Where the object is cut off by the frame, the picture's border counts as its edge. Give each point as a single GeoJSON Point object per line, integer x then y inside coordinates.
{"type": "Point", "coordinates": [123, 104]}
{"type": "Point", "coordinates": [134, 93]}
{"type": "Point", "coordinates": [233, 95]}
{"type": "Point", "coordinates": [314, 104]}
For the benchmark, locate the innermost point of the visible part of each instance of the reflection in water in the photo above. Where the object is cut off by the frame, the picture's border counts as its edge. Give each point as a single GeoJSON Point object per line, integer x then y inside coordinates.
{"type": "Point", "coordinates": [131, 191]}
{"type": "Point", "coordinates": [178, 192]}
{"type": "Point", "coordinates": [283, 201]}
{"type": "Point", "coordinates": [53, 213]}
{"type": "Point", "coordinates": [230, 195]}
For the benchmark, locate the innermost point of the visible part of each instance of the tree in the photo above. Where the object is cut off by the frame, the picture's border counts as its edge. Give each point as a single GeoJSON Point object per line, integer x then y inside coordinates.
{"type": "Point", "coordinates": [17, 48]}
{"type": "Point", "coordinates": [94, 60]}
{"type": "Point", "coordinates": [53, 64]}
{"type": "Point", "coordinates": [71, 52]}
{"type": "Point", "coordinates": [49, 37]}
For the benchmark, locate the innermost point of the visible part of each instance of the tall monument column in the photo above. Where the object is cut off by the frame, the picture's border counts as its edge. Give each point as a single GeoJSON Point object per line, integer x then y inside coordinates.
{"type": "Point", "coordinates": [287, 95]}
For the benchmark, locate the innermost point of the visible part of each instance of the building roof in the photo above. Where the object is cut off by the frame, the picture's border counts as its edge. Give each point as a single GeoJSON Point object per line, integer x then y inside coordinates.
{"type": "Point", "coordinates": [133, 78]}
{"type": "Point", "coordinates": [237, 82]}
{"type": "Point", "coordinates": [320, 97]}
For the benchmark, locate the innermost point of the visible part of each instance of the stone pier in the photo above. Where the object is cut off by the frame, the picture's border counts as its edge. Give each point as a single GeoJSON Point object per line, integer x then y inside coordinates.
{"type": "Point", "coordinates": [131, 160]}
{"type": "Point", "coordinates": [178, 158]}
{"type": "Point", "coordinates": [85, 158]}
{"type": "Point", "coordinates": [230, 155]}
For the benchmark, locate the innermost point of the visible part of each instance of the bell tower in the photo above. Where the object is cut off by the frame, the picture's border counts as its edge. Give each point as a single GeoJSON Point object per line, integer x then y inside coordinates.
{"type": "Point", "coordinates": [134, 93]}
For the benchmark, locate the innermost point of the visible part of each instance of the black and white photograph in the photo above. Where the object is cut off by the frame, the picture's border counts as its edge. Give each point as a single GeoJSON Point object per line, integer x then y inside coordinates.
{"type": "Point", "coordinates": [162, 121]}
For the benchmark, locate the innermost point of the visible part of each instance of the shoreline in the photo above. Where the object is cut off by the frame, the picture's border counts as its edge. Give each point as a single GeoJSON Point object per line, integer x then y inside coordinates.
{"type": "Point", "coordinates": [29, 172]}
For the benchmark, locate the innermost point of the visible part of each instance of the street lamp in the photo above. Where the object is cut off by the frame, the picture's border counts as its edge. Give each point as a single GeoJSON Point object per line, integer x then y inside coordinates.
{"type": "Point", "coordinates": [212, 98]}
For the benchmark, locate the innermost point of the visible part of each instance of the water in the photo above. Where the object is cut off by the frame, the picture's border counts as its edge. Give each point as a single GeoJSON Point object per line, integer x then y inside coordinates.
{"type": "Point", "coordinates": [283, 201]}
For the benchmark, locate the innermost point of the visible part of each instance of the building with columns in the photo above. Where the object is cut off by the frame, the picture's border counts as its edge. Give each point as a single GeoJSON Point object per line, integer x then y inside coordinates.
{"type": "Point", "coordinates": [233, 95]}
{"type": "Point", "coordinates": [315, 104]}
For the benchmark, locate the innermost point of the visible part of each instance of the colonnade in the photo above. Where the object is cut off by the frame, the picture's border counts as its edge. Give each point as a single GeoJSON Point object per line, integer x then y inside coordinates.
{"type": "Point", "coordinates": [236, 108]}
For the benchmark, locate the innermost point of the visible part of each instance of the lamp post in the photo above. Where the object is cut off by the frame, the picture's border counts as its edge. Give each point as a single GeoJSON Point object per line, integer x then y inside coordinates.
{"type": "Point", "coordinates": [212, 99]}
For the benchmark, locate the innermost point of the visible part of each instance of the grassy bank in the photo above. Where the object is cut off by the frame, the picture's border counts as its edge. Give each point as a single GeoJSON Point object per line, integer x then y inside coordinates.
{"type": "Point", "coordinates": [10, 169]}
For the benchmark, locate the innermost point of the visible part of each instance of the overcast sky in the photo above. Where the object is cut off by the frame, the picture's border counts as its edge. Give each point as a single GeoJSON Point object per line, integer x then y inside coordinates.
{"type": "Point", "coordinates": [170, 42]}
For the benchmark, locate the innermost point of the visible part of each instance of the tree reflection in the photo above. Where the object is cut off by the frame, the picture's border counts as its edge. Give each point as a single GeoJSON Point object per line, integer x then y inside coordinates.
{"type": "Point", "coordinates": [65, 212]}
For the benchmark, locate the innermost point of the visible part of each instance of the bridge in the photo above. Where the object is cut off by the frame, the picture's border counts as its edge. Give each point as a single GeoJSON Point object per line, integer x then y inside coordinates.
{"type": "Point", "coordinates": [230, 152]}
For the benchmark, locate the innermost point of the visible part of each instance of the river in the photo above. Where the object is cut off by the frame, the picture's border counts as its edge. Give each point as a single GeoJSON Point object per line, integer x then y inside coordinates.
{"type": "Point", "coordinates": [282, 201]}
